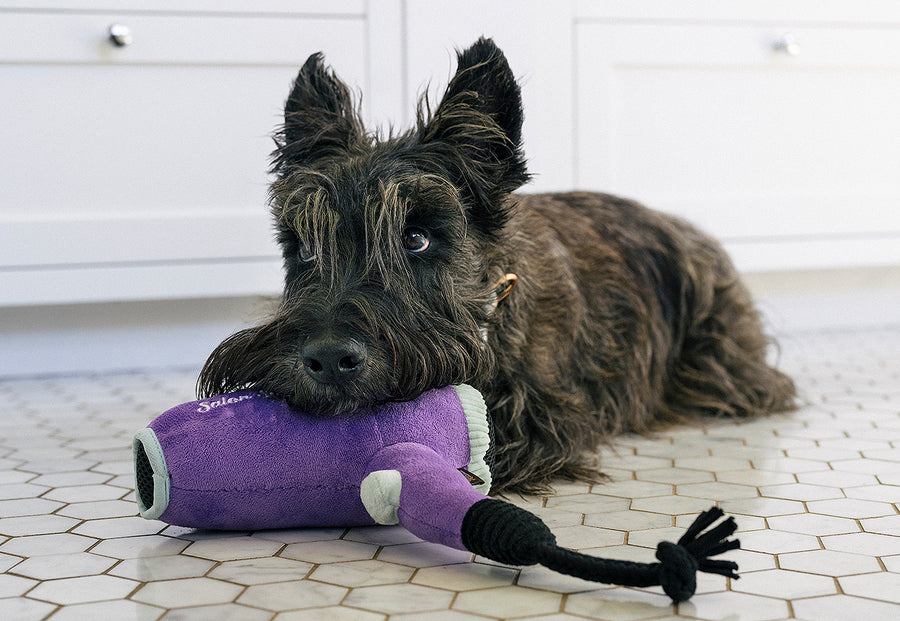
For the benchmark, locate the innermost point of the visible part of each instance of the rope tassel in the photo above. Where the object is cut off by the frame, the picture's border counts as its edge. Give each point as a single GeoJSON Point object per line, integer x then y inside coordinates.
{"type": "Point", "coordinates": [505, 533]}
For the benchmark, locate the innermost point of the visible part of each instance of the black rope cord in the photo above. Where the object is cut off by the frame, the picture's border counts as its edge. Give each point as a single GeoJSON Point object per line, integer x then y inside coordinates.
{"type": "Point", "coordinates": [505, 533]}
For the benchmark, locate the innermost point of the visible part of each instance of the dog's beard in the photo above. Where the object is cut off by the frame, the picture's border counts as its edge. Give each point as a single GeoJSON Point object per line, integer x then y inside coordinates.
{"type": "Point", "coordinates": [402, 364]}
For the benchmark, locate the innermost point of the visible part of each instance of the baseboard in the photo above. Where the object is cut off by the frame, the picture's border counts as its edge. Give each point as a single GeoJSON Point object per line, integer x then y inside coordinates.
{"type": "Point", "coordinates": [828, 299]}
{"type": "Point", "coordinates": [52, 340]}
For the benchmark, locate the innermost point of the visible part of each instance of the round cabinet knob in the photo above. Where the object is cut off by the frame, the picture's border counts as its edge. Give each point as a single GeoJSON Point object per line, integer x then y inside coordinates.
{"type": "Point", "coordinates": [120, 35]}
{"type": "Point", "coordinates": [787, 44]}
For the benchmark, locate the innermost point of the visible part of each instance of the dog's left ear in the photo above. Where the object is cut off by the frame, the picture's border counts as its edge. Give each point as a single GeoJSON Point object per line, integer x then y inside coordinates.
{"type": "Point", "coordinates": [319, 118]}
{"type": "Point", "coordinates": [476, 131]}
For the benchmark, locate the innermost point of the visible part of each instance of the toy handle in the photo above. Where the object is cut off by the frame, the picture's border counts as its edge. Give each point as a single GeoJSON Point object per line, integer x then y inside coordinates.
{"type": "Point", "coordinates": [410, 484]}
{"type": "Point", "coordinates": [509, 534]}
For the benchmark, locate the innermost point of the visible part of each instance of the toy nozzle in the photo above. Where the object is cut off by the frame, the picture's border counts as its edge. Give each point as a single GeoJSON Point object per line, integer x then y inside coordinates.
{"type": "Point", "coordinates": [151, 476]}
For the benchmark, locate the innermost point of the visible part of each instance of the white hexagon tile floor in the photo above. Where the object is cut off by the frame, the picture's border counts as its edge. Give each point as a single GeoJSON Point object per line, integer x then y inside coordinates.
{"type": "Point", "coordinates": [816, 494]}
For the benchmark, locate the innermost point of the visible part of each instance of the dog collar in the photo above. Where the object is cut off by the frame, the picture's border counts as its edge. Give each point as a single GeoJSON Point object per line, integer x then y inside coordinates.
{"type": "Point", "coordinates": [503, 287]}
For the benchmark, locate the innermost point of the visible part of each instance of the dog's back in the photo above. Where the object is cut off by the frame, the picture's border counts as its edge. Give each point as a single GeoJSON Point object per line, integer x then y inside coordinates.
{"type": "Point", "coordinates": [627, 318]}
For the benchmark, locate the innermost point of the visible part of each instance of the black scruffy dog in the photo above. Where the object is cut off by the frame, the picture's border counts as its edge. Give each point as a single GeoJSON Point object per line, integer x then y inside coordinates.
{"type": "Point", "coordinates": [401, 253]}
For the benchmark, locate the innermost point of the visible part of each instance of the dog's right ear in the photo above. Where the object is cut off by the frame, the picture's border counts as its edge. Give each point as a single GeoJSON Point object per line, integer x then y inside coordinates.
{"type": "Point", "coordinates": [319, 118]}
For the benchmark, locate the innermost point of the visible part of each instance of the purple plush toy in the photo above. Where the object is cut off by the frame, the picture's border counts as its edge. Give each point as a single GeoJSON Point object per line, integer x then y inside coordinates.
{"type": "Point", "coordinates": [244, 461]}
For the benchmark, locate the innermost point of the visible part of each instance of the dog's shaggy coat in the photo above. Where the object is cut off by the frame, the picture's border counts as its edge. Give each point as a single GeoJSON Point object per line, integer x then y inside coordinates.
{"type": "Point", "coordinates": [624, 318]}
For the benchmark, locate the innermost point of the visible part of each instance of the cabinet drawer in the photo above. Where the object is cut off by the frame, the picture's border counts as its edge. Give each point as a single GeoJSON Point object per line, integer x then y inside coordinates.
{"type": "Point", "coordinates": [77, 38]}
{"type": "Point", "coordinates": [153, 153]}
{"type": "Point", "coordinates": [721, 125]}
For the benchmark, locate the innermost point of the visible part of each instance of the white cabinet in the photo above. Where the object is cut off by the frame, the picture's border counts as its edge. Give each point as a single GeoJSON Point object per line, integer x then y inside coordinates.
{"type": "Point", "coordinates": [791, 156]}
{"type": "Point", "coordinates": [139, 172]}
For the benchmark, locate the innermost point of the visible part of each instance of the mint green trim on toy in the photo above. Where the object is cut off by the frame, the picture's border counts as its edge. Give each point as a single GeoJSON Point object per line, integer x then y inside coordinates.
{"type": "Point", "coordinates": [146, 439]}
{"type": "Point", "coordinates": [479, 434]}
{"type": "Point", "coordinates": [380, 495]}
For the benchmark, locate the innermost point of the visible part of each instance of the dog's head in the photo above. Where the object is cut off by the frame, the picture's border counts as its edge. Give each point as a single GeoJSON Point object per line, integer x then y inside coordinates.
{"type": "Point", "coordinates": [388, 243]}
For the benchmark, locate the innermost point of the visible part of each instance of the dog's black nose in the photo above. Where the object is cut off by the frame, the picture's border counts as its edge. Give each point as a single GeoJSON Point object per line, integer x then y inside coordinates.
{"type": "Point", "coordinates": [333, 361]}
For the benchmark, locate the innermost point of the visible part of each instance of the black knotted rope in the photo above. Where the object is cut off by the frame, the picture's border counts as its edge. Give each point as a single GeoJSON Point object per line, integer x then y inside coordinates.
{"type": "Point", "coordinates": [505, 533]}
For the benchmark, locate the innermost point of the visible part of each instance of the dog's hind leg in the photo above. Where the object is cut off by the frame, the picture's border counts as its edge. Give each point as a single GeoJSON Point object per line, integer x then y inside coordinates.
{"type": "Point", "coordinates": [723, 367]}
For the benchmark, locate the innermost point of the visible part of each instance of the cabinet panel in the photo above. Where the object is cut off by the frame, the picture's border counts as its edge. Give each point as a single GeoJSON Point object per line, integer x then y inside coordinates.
{"type": "Point", "coordinates": [754, 144]}
{"type": "Point", "coordinates": [155, 152]}
{"type": "Point", "coordinates": [116, 140]}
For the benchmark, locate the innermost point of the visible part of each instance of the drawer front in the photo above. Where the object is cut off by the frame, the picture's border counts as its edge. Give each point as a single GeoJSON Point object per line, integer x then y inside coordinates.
{"type": "Point", "coordinates": [758, 133]}
{"type": "Point", "coordinates": [153, 152]}
{"type": "Point", "coordinates": [77, 38]}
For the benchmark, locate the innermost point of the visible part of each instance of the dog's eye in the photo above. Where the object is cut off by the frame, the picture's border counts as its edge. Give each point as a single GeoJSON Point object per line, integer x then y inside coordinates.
{"type": "Point", "coordinates": [306, 253]}
{"type": "Point", "coordinates": [415, 240]}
